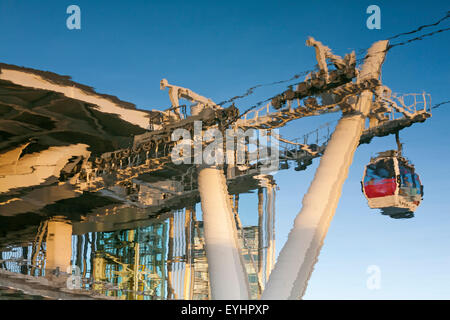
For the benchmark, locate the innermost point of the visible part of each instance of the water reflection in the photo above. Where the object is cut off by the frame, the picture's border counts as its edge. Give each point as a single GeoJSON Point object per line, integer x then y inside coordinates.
{"type": "Point", "coordinates": [119, 254]}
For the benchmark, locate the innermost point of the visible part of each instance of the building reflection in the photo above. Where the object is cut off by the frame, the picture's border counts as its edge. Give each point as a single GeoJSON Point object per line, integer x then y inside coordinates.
{"type": "Point", "coordinates": [158, 259]}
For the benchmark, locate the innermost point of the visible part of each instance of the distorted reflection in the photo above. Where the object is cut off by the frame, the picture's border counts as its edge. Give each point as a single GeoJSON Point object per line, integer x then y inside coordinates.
{"type": "Point", "coordinates": [159, 258]}
{"type": "Point", "coordinates": [90, 198]}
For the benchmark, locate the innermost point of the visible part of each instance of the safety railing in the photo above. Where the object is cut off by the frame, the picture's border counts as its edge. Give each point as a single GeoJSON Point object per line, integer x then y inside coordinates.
{"type": "Point", "coordinates": [407, 105]}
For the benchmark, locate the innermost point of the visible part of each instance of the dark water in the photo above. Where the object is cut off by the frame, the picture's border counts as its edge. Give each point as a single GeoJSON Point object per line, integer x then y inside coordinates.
{"type": "Point", "coordinates": [12, 294]}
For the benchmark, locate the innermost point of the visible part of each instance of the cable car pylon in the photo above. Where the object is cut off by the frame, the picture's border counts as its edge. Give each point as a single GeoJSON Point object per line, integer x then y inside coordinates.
{"type": "Point", "coordinates": [226, 268]}
{"type": "Point", "coordinates": [295, 263]}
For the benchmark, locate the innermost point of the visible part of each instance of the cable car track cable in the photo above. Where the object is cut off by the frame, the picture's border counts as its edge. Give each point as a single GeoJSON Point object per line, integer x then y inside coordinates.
{"type": "Point", "coordinates": [439, 104]}
{"type": "Point", "coordinates": [250, 90]}
{"type": "Point", "coordinates": [362, 59]}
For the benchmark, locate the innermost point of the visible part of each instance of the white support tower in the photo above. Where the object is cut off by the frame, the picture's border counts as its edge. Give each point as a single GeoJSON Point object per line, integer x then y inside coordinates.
{"type": "Point", "coordinates": [298, 256]}
{"type": "Point", "coordinates": [227, 274]}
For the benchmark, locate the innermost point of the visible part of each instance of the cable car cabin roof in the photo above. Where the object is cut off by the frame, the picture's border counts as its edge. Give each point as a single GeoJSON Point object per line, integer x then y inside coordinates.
{"type": "Point", "coordinates": [390, 154]}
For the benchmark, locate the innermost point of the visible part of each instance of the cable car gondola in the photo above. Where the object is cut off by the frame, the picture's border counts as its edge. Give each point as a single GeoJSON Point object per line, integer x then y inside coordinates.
{"type": "Point", "coordinates": [391, 184]}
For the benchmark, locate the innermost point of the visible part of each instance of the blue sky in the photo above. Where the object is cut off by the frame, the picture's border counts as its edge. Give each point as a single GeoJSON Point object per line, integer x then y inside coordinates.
{"type": "Point", "coordinates": [219, 49]}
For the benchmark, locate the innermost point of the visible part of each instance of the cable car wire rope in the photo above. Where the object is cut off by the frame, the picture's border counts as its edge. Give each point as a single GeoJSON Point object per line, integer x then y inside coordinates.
{"type": "Point", "coordinates": [360, 51]}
